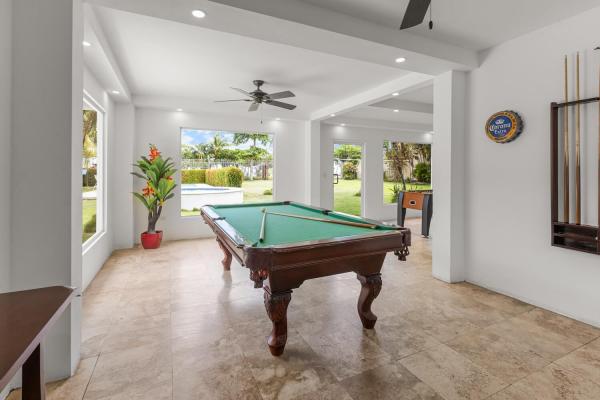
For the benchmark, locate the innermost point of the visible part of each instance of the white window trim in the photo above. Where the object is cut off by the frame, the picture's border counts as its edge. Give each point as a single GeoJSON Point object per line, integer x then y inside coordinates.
{"type": "Point", "coordinates": [101, 217]}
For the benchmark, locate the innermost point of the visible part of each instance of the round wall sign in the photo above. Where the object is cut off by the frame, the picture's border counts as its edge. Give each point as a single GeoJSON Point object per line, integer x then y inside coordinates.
{"type": "Point", "coordinates": [504, 126]}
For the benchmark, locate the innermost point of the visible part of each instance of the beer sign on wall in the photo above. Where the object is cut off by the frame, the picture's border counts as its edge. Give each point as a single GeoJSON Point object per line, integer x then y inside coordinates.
{"type": "Point", "coordinates": [504, 126]}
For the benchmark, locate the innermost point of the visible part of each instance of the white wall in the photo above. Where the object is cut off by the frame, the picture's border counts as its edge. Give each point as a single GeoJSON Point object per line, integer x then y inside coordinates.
{"type": "Point", "coordinates": [5, 129]}
{"type": "Point", "coordinates": [508, 186]}
{"type": "Point", "coordinates": [46, 128]}
{"type": "Point", "coordinates": [162, 128]}
{"type": "Point", "coordinates": [97, 251]}
{"type": "Point", "coordinates": [121, 181]}
{"type": "Point", "coordinates": [372, 167]}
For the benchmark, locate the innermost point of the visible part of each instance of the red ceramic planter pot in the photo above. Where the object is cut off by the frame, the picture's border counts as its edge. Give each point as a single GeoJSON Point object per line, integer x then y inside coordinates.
{"type": "Point", "coordinates": [151, 240]}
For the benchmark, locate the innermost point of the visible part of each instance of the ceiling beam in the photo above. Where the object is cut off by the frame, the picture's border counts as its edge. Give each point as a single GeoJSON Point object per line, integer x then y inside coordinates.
{"type": "Point", "coordinates": [393, 126]}
{"type": "Point", "coordinates": [304, 25]}
{"type": "Point", "coordinates": [401, 85]}
{"type": "Point", "coordinates": [405, 105]}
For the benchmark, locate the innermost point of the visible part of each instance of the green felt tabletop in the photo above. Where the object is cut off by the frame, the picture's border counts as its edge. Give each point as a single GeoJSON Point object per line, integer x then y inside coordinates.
{"type": "Point", "coordinates": [247, 218]}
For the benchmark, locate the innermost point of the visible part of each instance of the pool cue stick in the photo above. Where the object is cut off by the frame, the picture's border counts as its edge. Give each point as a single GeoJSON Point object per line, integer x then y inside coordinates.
{"type": "Point", "coordinates": [577, 152]}
{"type": "Point", "coordinates": [261, 238]}
{"type": "Point", "coordinates": [331, 221]}
{"type": "Point", "coordinates": [566, 147]}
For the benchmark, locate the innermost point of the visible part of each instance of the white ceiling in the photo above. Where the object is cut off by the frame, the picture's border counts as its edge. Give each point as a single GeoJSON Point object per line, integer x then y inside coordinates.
{"type": "Point", "coordinates": [171, 65]}
{"type": "Point", "coordinates": [415, 113]}
{"type": "Point", "coordinates": [472, 24]}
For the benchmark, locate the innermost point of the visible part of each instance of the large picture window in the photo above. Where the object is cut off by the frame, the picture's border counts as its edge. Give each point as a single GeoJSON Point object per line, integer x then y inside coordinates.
{"type": "Point", "coordinates": [223, 167]}
{"type": "Point", "coordinates": [92, 169]}
{"type": "Point", "coordinates": [406, 167]}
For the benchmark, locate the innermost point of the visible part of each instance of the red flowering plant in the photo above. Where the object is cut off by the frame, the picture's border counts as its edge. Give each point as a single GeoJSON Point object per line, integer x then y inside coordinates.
{"type": "Point", "coordinates": [158, 174]}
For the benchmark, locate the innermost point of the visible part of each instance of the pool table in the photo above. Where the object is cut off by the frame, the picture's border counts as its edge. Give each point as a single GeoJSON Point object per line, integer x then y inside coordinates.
{"type": "Point", "coordinates": [293, 250]}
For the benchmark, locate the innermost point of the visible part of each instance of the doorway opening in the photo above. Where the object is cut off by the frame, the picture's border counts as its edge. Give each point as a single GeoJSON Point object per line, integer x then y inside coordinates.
{"type": "Point", "coordinates": [347, 178]}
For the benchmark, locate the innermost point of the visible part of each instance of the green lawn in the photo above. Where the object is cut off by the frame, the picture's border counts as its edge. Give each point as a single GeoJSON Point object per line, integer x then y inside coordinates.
{"type": "Point", "coordinates": [344, 196]}
{"type": "Point", "coordinates": [253, 193]}
{"type": "Point", "coordinates": [89, 211]}
{"type": "Point", "coordinates": [345, 199]}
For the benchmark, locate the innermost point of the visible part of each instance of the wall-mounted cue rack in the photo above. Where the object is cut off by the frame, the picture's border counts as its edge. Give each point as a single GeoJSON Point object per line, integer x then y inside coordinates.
{"type": "Point", "coordinates": [567, 230]}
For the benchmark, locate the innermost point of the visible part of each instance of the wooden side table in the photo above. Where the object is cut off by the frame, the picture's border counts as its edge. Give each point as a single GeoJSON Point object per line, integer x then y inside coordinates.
{"type": "Point", "coordinates": [25, 318]}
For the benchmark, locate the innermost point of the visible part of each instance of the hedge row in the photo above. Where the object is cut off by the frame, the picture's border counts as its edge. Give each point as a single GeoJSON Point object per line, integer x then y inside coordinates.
{"type": "Point", "coordinates": [228, 176]}
{"type": "Point", "coordinates": [193, 176]}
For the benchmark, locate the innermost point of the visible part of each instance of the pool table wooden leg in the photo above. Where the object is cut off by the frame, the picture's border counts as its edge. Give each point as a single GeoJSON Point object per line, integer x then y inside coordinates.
{"type": "Point", "coordinates": [227, 256]}
{"type": "Point", "coordinates": [371, 286]}
{"type": "Point", "coordinates": [276, 305]}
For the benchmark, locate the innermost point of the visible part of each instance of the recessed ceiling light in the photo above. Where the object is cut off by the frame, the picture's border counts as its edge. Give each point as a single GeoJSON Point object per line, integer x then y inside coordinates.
{"type": "Point", "coordinates": [342, 124]}
{"type": "Point", "coordinates": [400, 60]}
{"type": "Point", "coordinates": [179, 109]}
{"type": "Point", "coordinates": [332, 115]}
{"type": "Point", "coordinates": [115, 92]}
{"type": "Point", "coordinates": [277, 119]}
{"type": "Point", "coordinates": [395, 94]}
{"type": "Point", "coordinates": [396, 110]}
{"type": "Point", "coordinates": [198, 13]}
{"type": "Point", "coordinates": [86, 44]}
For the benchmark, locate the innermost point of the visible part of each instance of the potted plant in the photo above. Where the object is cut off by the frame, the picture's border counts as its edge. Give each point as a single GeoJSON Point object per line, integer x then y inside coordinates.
{"type": "Point", "coordinates": [158, 175]}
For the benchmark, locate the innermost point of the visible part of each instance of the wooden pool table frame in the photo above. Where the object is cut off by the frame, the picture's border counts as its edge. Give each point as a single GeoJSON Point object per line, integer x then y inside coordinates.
{"type": "Point", "coordinates": [287, 266]}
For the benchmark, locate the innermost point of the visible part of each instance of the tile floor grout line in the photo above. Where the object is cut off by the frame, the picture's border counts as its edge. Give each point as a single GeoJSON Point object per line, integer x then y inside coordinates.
{"type": "Point", "coordinates": [91, 376]}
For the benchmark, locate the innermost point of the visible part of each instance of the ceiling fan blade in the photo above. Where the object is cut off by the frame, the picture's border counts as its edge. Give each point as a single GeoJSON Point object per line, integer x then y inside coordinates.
{"type": "Point", "coordinates": [415, 13]}
{"type": "Point", "coordinates": [242, 91]}
{"type": "Point", "coordinates": [280, 104]}
{"type": "Point", "coordinates": [281, 95]}
{"type": "Point", "coordinates": [225, 101]}
{"type": "Point", "coordinates": [253, 107]}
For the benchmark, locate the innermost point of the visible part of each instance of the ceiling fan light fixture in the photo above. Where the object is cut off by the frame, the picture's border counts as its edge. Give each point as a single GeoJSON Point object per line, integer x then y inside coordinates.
{"type": "Point", "coordinates": [400, 60]}
{"type": "Point", "coordinates": [199, 13]}
{"type": "Point", "coordinates": [396, 110]}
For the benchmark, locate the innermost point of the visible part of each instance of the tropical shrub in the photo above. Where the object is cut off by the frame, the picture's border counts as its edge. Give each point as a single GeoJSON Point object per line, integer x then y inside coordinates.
{"type": "Point", "coordinates": [268, 192]}
{"type": "Point", "coordinates": [193, 176]}
{"type": "Point", "coordinates": [90, 225]}
{"type": "Point", "coordinates": [396, 189]}
{"type": "Point", "coordinates": [349, 171]}
{"type": "Point", "coordinates": [422, 172]}
{"type": "Point", "coordinates": [89, 178]}
{"type": "Point", "coordinates": [158, 175]}
{"type": "Point", "coordinates": [228, 177]}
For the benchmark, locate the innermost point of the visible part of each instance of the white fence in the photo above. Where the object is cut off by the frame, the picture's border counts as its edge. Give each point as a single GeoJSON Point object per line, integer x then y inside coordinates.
{"type": "Point", "coordinates": [251, 169]}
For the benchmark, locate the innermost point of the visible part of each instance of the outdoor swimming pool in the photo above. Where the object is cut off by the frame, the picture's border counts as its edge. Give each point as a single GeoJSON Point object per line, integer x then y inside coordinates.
{"type": "Point", "coordinates": [194, 196]}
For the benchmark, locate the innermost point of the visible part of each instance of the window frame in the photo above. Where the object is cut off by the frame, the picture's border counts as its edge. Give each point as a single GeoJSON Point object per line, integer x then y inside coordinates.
{"type": "Point", "coordinates": [179, 160]}
{"type": "Point", "coordinates": [101, 174]}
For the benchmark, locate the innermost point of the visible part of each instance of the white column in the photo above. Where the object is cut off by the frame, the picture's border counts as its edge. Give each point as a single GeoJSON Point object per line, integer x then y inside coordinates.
{"type": "Point", "coordinates": [47, 78]}
{"type": "Point", "coordinates": [313, 162]}
{"type": "Point", "coordinates": [448, 173]}
{"type": "Point", "coordinates": [122, 182]}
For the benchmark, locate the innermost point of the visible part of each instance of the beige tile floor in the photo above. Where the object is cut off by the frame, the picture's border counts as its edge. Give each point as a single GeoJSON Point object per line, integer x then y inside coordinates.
{"type": "Point", "coordinates": [170, 324]}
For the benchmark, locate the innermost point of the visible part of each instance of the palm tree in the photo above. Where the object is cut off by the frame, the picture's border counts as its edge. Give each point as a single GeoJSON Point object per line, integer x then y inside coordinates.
{"type": "Point", "coordinates": [241, 138]}
{"type": "Point", "coordinates": [397, 154]}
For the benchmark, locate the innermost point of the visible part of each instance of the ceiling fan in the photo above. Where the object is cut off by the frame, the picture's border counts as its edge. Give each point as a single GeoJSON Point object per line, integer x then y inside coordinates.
{"type": "Point", "coordinates": [415, 14]}
{"type": "Point", "coordinates": [258, 97]}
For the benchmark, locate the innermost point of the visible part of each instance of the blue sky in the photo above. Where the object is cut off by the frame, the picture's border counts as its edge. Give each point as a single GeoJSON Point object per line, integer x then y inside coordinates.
{"type": "Point", "coordinates": [199, 136]}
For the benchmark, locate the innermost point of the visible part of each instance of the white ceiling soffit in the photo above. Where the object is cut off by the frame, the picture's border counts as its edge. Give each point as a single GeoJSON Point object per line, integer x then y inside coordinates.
{"type": "Point", "coordinates": [471, 24]}
{"type": "Point", "coordinates": [408, 83]}
{"type": "Point", "coordinates": [100, 60]}
{"type": "Point", "coordinates": [311, 27]}
{"type": "Point", "coordinates": [170, 65]}
{"type": "Point", "coordinates": [390, 126]}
